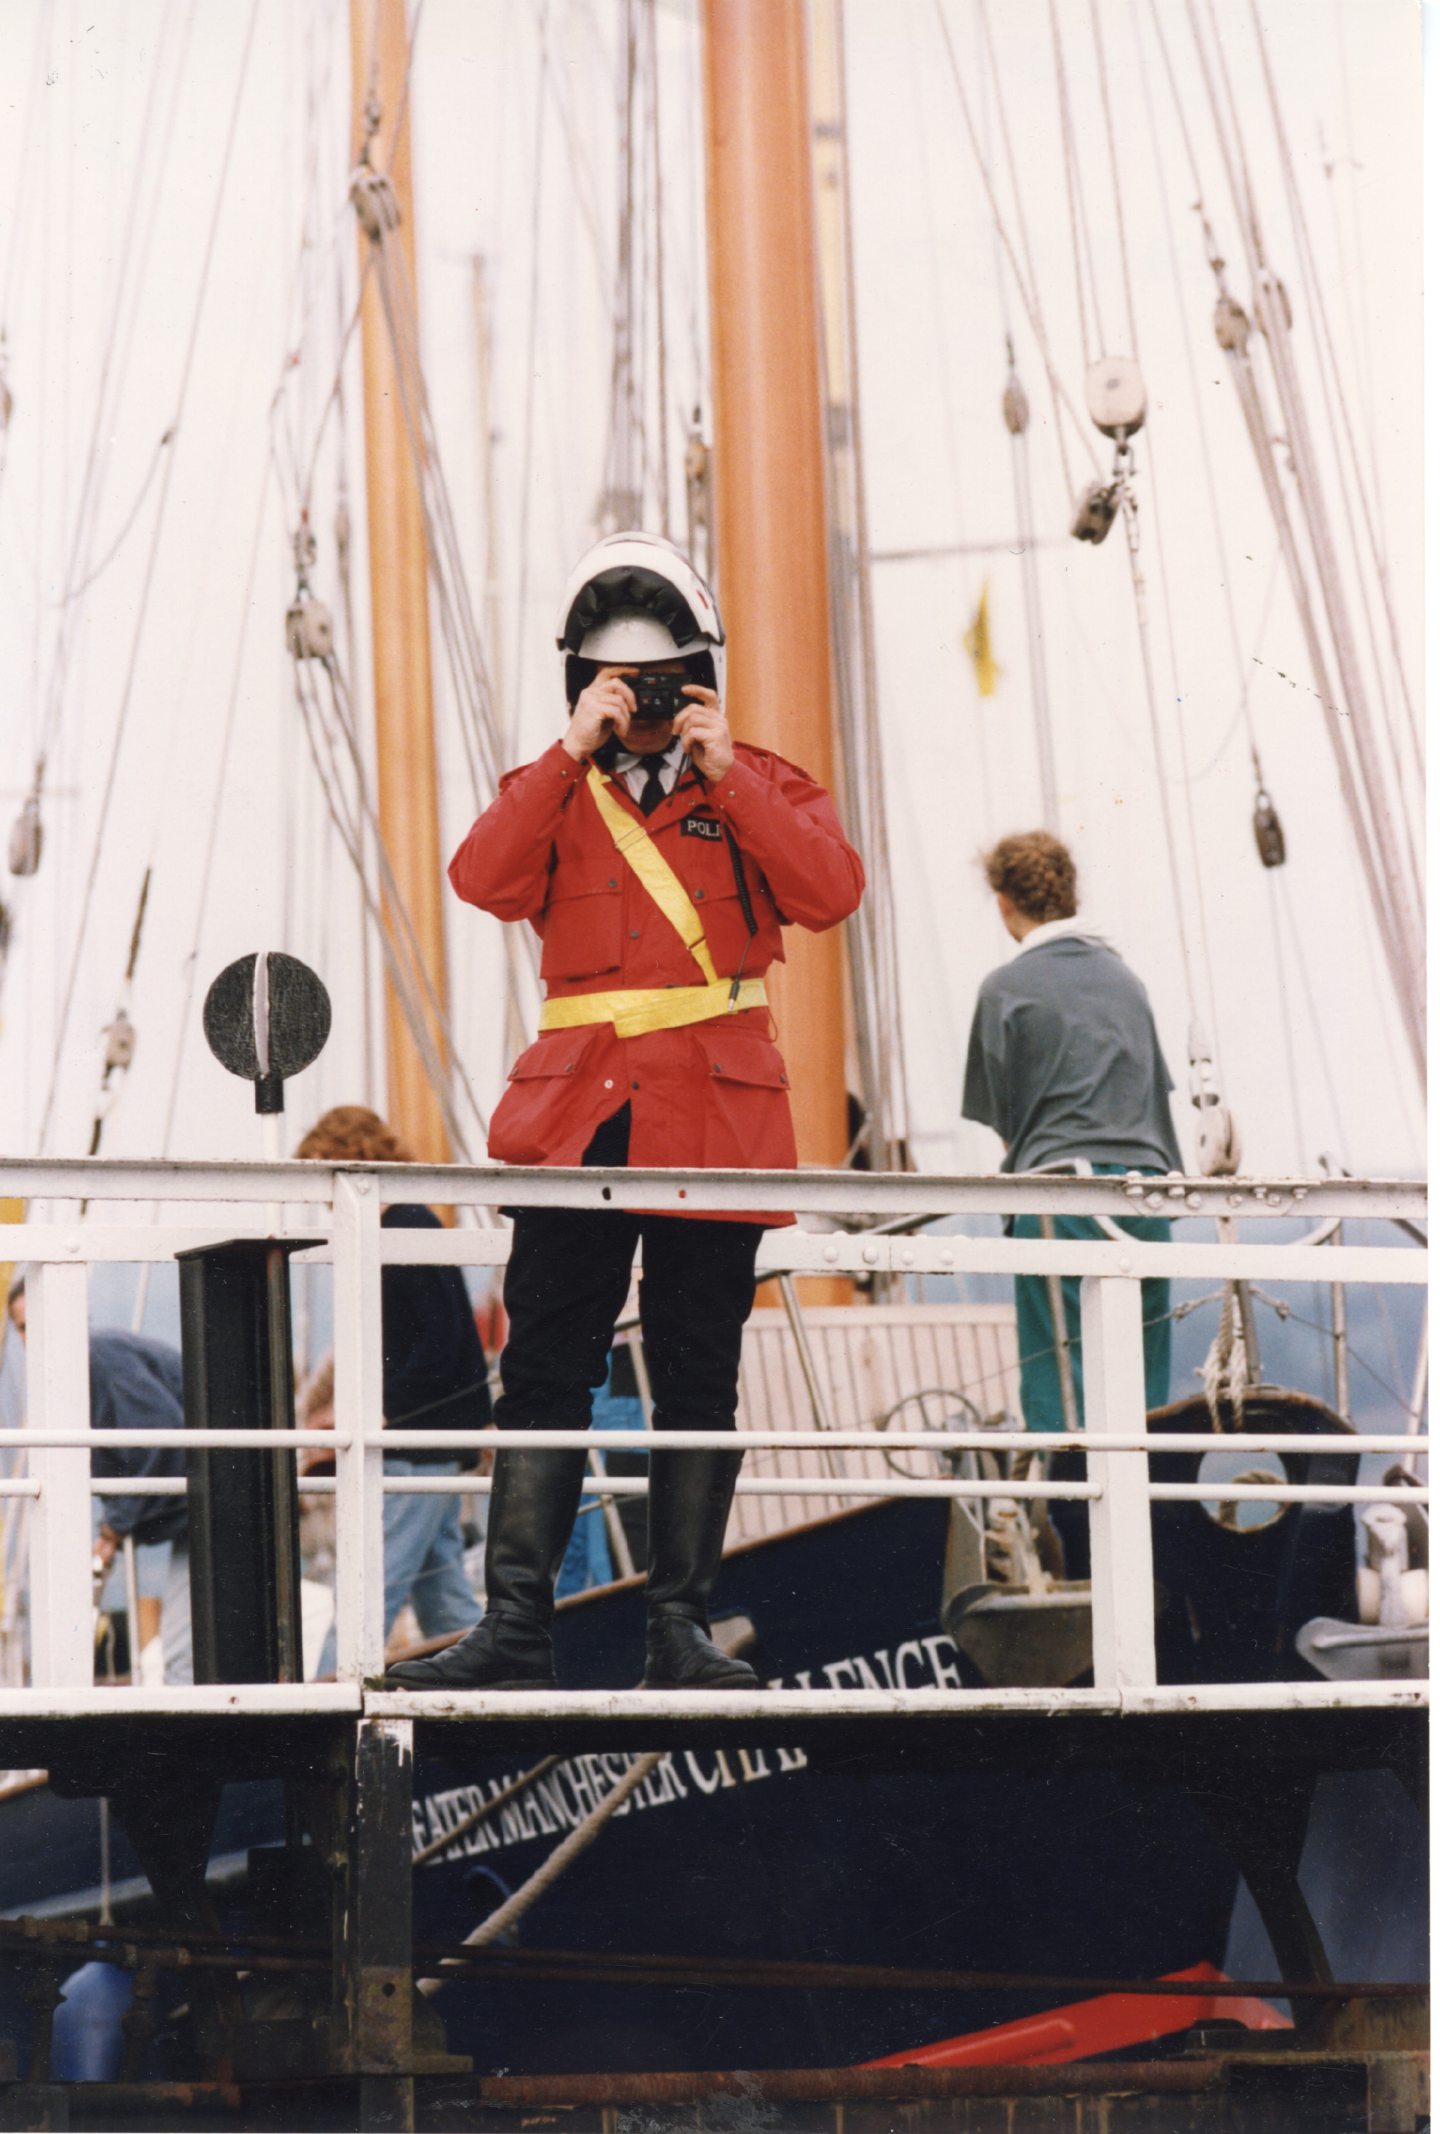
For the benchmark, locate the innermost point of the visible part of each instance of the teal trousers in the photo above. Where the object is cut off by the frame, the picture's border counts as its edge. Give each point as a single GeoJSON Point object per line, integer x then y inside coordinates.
{"type": "Point", "coordinates": [1040, 1397]}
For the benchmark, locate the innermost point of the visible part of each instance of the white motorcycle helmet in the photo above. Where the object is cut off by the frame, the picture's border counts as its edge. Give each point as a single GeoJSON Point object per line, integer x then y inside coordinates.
{"type": "Point", "coordinates": [635, 599]}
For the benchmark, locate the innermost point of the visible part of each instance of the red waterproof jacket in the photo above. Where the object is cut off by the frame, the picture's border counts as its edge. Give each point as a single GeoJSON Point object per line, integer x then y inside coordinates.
{"type": "Point", "coordinates": [712, 1095]}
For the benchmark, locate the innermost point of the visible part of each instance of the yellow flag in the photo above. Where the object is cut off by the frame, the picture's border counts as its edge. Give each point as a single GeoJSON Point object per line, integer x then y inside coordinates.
{"type": "Point", "coordinates": [977, 644]}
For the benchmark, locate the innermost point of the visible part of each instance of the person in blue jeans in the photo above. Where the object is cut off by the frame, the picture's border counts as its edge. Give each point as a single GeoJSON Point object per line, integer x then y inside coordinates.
{"type": "Point", "coordinates": [1065, 1064]}
{"type": "Point", "coordinates": [435, 1378]}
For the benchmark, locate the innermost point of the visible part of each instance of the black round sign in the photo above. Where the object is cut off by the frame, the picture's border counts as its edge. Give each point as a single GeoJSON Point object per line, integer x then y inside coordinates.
{"type": "Point", "coordinates": [266, 1017]}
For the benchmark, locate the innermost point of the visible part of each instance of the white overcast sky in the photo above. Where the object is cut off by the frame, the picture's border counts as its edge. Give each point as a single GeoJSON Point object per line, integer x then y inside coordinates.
{"type": "Point", "coordinates": [116, 112]}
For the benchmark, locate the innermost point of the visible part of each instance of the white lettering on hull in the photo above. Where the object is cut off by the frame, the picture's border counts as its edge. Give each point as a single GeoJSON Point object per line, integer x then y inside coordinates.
{"type": "Point", "coordinates": [566, 1795]}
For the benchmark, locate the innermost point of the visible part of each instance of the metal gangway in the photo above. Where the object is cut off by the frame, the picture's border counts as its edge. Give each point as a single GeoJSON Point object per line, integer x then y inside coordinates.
{"type": "Point", "coordinates": [331, 1214]}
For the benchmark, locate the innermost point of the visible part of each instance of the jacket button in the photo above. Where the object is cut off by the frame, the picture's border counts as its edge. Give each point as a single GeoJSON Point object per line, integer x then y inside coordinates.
{"type": "Point", "coordinates": [571, 1068]}
{"type": "Point", "coordinates": [634, 933]}
{"type": "Point", "coordinates": [609, 1084]}
{"type": "Point", "coordinates": [634, 1085]}
{"type": "Point", "coordinates": [614, 884]}
{"type": "Point", "coordinates": [698, 894]}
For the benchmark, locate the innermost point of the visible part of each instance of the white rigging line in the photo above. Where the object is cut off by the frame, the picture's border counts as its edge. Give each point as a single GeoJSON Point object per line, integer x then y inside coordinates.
{"type": "Point", "coordinates": [34, 102]}
{"type": "Point", "coordinates": [657, 185]}
{"type": "Point", "coordinates": [1212, 493]}
{"type": "Point", "coordinates": [1002, 115]}
{"type": "Point", "coordinates": [1320, 322]}
{"type": "Point", "coordinates": [1118, 190]}
{"type": "Point", "coordinates": [98, 569]}
{"type": "Point", "coordinates": [122, 716]}
{"type": "Point", "coordinates": [1243, 713]}
{"type": "Point", "coordinates": [1362, 352]}
{"type": "Point", "coordinates": [1037, 326]}
{"type": "Point", "coordinates": [1081, 253]}
{"type": "Point", "coordinates": [413, 985]}
{"type": "Point", "coordinates": [1274, 315]}
{"type": "Point", "coordinates": [877, 953]}
{"type": "Point", "coordinates": [1019, 434]}
{"type": "Point", "coordinates": [527, 448]}
{"type": "Point", "coordinates": [1390, 910]}
{"type": "Point", "coordinates": [131, 266]}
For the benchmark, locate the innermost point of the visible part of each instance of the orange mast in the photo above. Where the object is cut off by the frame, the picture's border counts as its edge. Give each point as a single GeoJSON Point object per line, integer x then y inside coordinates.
{"type": "Point", "coordinates": [770, 475]}
{"type": "Point", "coordinates": [399, 590]}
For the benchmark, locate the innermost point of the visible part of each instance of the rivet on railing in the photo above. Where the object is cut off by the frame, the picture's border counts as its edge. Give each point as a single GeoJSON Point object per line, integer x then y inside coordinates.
{"type": "Point", "coordinates": [1193, 1200]}
{"type": "Point", "coordinates": [907, 1259]}
{"type": "Point", "coordinates": [871, 1255]}
{"type": "Point", "coordinates": [832, 1254]}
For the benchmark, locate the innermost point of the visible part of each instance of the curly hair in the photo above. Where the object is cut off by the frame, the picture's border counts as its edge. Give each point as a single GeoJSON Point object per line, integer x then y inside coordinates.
{"type": "Point", "coordinates": [352, 1133]}
{"type": "Point", "coordinates": [1036, 872]}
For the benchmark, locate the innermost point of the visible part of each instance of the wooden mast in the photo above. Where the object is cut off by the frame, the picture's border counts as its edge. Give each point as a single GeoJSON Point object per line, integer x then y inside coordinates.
{"type": "Point", "coordinates": [399, 591]}
{"type": "Point", "coordinates": [770, 476]}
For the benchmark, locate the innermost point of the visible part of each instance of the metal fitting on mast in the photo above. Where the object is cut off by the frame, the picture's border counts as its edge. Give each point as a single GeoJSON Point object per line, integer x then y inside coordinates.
{"type": "Point", "coordinates": [1013, 404]}
{"type": "Point", "coordinates": [1269, 831]}
{"type": "Point", "coordinates": [1115, 397]}
{"type": "Point", "coordinates": [373, 198]}
{"type": "Point", "coordinates": [27, 838]}
{"type": "Point", "coordinates": [309, 625]}
{"type": "Point", "coordinates": [1217, 1136]}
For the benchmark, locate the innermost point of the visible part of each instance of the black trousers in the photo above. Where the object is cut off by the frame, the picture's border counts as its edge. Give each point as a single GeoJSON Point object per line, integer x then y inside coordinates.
{"type": "Point", "coordinates": [565, 1288]}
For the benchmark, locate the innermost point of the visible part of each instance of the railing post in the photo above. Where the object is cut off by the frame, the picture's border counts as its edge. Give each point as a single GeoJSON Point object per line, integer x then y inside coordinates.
{"type": "Point", "coordinates": [1122, 1590]}
{"type": "Point", "coordinates": [359, 1410]}
{"type": "Point", "coordinates": [62, 1620]}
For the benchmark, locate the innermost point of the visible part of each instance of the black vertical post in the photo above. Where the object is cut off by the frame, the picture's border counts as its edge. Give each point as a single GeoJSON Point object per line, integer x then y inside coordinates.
{"type": "Point", "coordinates": [378, 1980]}
{"type": "Point", "coordinates": [244, 1513]}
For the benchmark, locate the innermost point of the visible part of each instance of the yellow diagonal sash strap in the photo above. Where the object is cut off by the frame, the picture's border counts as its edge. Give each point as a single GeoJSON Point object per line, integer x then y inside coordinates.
{"type": "Point", "coordinates": [642, 856]}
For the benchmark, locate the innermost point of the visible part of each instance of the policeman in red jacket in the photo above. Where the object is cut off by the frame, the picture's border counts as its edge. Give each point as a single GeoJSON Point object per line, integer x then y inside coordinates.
{"type": "Point", "coordinates": [658, 859]}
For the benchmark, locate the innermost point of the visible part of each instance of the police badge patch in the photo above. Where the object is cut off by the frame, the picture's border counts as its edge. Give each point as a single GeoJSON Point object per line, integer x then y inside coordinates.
{"type": "Point", "coordinates": [702, 826]}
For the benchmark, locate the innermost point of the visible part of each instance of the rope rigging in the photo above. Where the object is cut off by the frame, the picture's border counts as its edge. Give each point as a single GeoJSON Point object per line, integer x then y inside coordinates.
{"type": "Point", "coordinates": [1015, 410]}
{"type": "Point", "coordinates": [148, 582]}
{"type": "Point", "coordinates": [871, 934]}
{"type": "Point", "coordinates": [1320, 327]}
{"type": "Point", "coordinates": [1392, 895]}
{"type": "Point", "coordinates": [1081, 250]}
{"type": "Point", "coordinates": [1002, 115]}
{"type": "Point", "coordinates": [131, 266]}
{"type": "Point", "coordinates": [1032, 313]}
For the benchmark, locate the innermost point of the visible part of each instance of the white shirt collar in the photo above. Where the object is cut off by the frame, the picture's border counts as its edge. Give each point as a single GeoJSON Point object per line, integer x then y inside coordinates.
{"type": "Point", "coordinates": [636, 769]}
{"type": "Point", "coordinates": [1076, 929]}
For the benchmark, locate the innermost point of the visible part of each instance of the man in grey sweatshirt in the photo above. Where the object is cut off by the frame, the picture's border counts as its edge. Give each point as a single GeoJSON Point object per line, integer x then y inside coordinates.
{"type": "Point", "coordinates": [1064, 1063]}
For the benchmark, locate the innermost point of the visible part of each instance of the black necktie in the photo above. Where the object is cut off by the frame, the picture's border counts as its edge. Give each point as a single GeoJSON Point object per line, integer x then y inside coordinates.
{"type": "Point", "coordinates": [652, 792]}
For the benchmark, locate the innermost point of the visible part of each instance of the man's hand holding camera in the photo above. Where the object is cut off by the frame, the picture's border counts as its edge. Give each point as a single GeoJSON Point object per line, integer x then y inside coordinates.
{"type": "Point", "coordinates": [609, 707]}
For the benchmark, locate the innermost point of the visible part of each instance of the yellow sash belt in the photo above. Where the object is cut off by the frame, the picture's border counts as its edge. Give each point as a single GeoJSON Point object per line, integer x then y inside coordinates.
{"type": "Point", "coordinates": [643, 1008]}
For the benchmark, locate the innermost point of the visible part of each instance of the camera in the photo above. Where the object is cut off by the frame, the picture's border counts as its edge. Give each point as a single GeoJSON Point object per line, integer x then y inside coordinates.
{"type": "Point", "coordinates": [658, 696]}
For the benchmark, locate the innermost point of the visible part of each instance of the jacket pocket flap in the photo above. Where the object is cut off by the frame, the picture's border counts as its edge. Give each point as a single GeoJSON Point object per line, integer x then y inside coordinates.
{"type": "Point", "coordinates": [743, 1056]}
{"type": "Point", "coordinates": [554, 1053]}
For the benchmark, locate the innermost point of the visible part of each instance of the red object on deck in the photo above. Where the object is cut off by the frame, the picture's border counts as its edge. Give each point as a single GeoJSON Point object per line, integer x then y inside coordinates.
{"type": "Point", "coordinates": [1085, 2029]}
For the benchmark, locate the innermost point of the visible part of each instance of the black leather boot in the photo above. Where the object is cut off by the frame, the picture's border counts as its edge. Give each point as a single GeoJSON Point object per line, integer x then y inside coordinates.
{"type": "Point", "coordinates": [532, 1509]}
{"type": "Point", "coordinates": [690, 1495]}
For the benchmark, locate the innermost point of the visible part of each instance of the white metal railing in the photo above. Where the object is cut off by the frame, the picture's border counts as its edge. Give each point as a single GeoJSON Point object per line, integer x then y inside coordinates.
{"type": "Point", "coordinates": [188, 1205]}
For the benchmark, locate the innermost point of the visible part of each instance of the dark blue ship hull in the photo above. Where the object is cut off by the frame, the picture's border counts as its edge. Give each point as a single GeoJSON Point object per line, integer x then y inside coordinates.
{"type": "Point", "coordinates": [742, 1852]}
{"type": "Point", "coordinates": [1001, 1860]}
